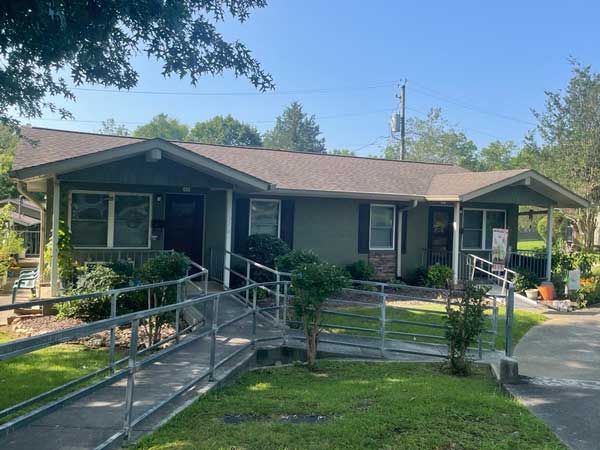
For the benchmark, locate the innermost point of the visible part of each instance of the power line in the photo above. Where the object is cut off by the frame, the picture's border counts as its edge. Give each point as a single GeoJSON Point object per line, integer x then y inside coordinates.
{"type": "Point", "coordinates": [433, 94]}
{"type": "Point", "coordinates": [378, 85]}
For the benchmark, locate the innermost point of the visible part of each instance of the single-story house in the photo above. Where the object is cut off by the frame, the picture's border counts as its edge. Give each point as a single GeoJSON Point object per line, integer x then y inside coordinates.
{"type": "Point", "coordinates": [129, 197]}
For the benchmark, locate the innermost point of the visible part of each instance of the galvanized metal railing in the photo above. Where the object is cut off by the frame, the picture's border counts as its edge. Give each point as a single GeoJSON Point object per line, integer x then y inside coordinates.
{"type": "Point", "coordinates": [181, 337]}
{"type": "Point", "coordinates": [136, 258]}
{"type": "Point", "coordinates": [23, 346]}
{"type": "Point", "coordinates": [480, 265]}
{"type": "Point", "coordinates": [383, 293]}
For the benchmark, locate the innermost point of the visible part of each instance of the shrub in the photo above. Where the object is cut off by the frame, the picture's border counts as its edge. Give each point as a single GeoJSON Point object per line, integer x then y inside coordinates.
{"type": "Point", "coordinates": [438, 276]}
{"type": "Point", "coordinates": [361, 270]}
{"type": "Point", "coordinates": [264, 249]}
{"type": "Point", "coordinates": [164, 267]}
{"type": "Point", "coordinates": [97, 279]}
{"type": "Point", "coordinates": [67, 267]}
{"type": "Point", "coordinates": [465, 322]}
{"type": "Point", "coordinates": [295, 259]}
{"type": "Point", "coordinates": [526, 279]}
{"type": "Point", "coordinates": [416, 277]}
{"type": "Point", "coordinates": [313, 284]}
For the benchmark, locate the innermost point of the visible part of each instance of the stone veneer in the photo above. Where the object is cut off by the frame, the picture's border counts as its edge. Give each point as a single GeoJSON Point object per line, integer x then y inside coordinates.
{"type": "Point", "coordinates": [384, 262]}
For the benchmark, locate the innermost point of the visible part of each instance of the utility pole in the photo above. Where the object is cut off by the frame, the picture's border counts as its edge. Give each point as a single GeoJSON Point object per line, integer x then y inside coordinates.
{"type": "Point", "coordinates": [398, 122]}
{"type": "Point", "coordinates": [403, 119]}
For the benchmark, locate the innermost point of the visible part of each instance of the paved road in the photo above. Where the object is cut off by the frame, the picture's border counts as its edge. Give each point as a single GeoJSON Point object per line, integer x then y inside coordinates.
{"type": "Point", "coordinates": [562, 359]}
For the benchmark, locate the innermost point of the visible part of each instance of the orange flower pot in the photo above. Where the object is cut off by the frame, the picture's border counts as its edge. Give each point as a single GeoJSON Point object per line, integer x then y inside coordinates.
{"type": "Point", "coordinates": [547, 291]}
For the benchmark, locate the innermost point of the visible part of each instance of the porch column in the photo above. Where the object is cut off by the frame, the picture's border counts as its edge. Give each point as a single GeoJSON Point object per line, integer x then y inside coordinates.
{"type": "Point", "coordinates": [455, 243]}
{"type": "Point", "coordinates": [550, 225]}
{"type": "Point", "coordinates": [228, 227]}
{"type": "Point", "coordinates": [55, 226]}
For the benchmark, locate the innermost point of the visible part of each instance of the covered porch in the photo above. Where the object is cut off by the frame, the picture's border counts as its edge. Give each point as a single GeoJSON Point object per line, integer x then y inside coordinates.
{"type": "Point", "coordinates": [460, 225]}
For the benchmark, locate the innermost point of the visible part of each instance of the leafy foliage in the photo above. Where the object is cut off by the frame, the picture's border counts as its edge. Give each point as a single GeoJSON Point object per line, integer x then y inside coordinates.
{"type": "Point", "coordinates": [498, 155]}
{"type": "Point", "coordinates": [10, 242]}
{"type": "Point", "coordinates": [313, 284]}
{"type": "Point", "coordinates": [110, 126]}
{"type": "Point", "coordinates": [433, 139]}
{"type": "Point", "coordinates": [570, 129]}
{"type": "Point", "coordinates": [361, 270]}
{"type": "Point", "coordinates": [97, 279]}
{"type": "Point", "coordinates": [294, 130]}
{"type": "Point", "coordinates": [343, 152]}
{"type": "Point", "coordinates": [67, 268]}
{"type": "Point", "coordinates": [416, 277]}
{"type": "Point", "coordinates": [438, 276]}
{"type": "Point", "coordinates": [162, 126]}
{"type": "Point", "coordinates": [8, 143]}
{"type": "Point", "coordinates": [43, 42]}
{"type": "Point", "coordinates": [264, 249]}
{"type": "Point", "coordinates": [526, 280]}
{"type": "Point", "coordinates": [225, 131]}
{"type": "Point", "coordinates": [296, 258]}
{"type": "Point", "coordinates": [465, 322]}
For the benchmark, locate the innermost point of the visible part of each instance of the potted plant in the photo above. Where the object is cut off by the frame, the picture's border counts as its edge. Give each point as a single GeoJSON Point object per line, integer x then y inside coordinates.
{"type": "Point", "coordinates": [527, 282]}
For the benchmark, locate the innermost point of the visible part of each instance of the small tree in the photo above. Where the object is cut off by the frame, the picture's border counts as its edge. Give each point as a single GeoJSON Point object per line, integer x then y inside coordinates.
{"type": "Point", "coordinates": [465, 322]}
{"type": "Point", "coordinates": [313, 284]}
{"type": "Point", "coordinates": [67, 267]}
{"type": "Point", "coordinates": [10, 242]}
{"type": "Point", "coordinates": [164, 267]}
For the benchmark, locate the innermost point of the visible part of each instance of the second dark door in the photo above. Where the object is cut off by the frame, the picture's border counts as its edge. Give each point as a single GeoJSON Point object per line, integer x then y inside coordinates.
{"type": "Point", "coordinates": [184, 224]}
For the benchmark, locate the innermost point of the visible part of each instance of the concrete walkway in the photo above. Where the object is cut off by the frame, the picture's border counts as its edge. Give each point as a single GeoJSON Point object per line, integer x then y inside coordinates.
{"type": "Point", "coordinates": [561, 357]}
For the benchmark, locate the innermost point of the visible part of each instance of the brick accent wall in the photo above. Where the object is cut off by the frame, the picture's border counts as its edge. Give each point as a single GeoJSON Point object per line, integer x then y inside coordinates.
{"type": "Point", "coordinates": [384, 262]}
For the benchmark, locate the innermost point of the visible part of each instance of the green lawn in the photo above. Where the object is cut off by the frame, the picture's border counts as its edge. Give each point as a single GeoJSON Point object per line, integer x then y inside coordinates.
{"type": "Point", "coordinates": [523, 321]}
{"type": "Point", "coordinates": [368, 406]}
{"type": "Point", "coordinates": [26, 376]}
{"type": "Point", "coordinates": [538, 245]}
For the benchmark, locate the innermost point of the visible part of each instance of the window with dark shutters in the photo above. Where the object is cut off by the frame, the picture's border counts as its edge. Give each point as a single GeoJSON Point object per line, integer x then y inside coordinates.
{"type": "Point", "coordinates": [287, 222]}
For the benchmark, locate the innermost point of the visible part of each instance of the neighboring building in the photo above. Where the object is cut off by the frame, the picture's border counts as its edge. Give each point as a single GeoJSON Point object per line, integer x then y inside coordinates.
{"type": "Point", "coordinates": [26, 221]}
{"type": "Point", "coordinates": [125, 197]}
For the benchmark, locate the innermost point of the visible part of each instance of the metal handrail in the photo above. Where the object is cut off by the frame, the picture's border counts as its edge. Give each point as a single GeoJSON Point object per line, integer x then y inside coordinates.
{"type": "Point", "coordinates": [110, 292]}
{"type": "Point", "coordinates": [474, 267]}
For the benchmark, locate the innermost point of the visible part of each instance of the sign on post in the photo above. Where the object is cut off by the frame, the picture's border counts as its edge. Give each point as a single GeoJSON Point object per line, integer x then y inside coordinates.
{"type": "Point", "coordinates": [499, 249]}
{"type": "Point", "coordinates": [574, 280]}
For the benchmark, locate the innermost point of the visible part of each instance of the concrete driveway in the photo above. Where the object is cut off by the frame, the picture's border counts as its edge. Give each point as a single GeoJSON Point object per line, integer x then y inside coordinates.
{"type": "Point", "coordinates": [561, 359]}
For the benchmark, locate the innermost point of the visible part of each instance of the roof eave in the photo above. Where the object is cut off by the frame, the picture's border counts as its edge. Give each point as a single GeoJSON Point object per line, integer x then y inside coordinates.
{"type": "Point", "coordinates": [346, 194]}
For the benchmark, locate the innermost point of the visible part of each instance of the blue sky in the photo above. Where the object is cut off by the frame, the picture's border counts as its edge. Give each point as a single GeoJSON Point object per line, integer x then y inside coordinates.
{"type": "Point", "coordinates": [485, 63]}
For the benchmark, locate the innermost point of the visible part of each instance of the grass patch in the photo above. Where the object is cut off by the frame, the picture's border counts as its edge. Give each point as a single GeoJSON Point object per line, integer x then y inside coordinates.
{"type": "Point", "coordinates": [428, 314]}
{"type": "Point", "coordinates": [368, 406]}
{"type": "Point", "coordinates": [26, 376]}
{"type": "Point", "coordinates": [533, 246]}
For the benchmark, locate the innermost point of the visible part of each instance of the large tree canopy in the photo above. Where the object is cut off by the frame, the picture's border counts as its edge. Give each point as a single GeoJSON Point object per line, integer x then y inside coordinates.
{"type": "Point", "coordinates": [45, 45]}
{"type": "Point", "coordinates": [570, 130]}
{"type": "Point", "coordinates": [498, 155]}
{"type": "Point", "coordinates": [8, 143]}
{"type": "Point", "coordinates": [295, 130]}
{"type": "Point", "coordinates": [433, 139]}
{"type": "Point", "coordinates": [225, 131]}
{"type": "Point", "coordinates": [162, 126]}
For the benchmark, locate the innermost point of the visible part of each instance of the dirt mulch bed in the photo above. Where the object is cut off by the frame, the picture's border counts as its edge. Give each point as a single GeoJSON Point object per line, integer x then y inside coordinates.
{"type": "Point", "coordinates": [27, 326]}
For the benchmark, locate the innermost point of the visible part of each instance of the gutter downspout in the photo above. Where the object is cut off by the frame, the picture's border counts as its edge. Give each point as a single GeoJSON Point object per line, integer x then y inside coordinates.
{"type": "Point", "coordinates": [22, 189]}
{"type": "Point", "coordinates": [399, 230]}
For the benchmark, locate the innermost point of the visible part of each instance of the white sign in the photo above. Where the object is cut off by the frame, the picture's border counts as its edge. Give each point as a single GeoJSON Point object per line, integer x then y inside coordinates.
{"type": "Point", "coordinates": [499, 249]}
{"type": "Point", "coordinates": [574, 279]}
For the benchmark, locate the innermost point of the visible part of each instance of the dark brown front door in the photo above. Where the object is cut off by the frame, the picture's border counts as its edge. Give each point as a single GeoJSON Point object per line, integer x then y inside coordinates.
{"type": "Point", "coordinates": [184, 224]}
{"type": "Point", "coordinates": [440, 235]}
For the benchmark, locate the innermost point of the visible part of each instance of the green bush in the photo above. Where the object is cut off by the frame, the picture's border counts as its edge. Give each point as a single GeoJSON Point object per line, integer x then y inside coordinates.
{"type": "Point", "coordinates": [264, 249]}
{"type": "Point", "coordinates": [526, 279]}
{"type": "Point", "coordinates": [97, 279]}
{"type": "Point", "coordinates": [296, 259]}
{"type": "Point", "coordinates": [465, 321]}
{"type": "Point", "coordinates": [416, 277]}
{"type": "Point", "coordinates": [438, 276]}
{"type": "Point", "coordinates": [313, 284]}
{"type": "Point", "coordinates": [361, 270]}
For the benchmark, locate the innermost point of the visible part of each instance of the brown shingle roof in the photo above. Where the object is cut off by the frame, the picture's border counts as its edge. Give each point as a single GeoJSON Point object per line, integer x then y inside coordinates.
{"type": "Point", "coordinates": [452, 184]}
{"type": "Point", "coordinates": [285, 169]}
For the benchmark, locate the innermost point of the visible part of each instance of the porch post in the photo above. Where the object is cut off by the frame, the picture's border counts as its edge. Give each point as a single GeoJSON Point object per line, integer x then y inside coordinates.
{"type": "Point", "coordinates": [55, 226]}
{"type": "Point", "coordinates": [550, 223]}
{"type": "Point", "coordinates": [228, 226]}
{"type": "Point", "coordinates": [455, 243]}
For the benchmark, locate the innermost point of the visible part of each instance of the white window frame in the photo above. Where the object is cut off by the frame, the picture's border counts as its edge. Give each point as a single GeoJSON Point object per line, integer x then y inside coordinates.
{"type": "Point", "coordinates": [269, 200]}
{"type": "Point", "coordinates": [111, 217]}
{"type": "Point", "coordinates": [483, 225]}
{"type": "Point", "coordinates": [380, 205]}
